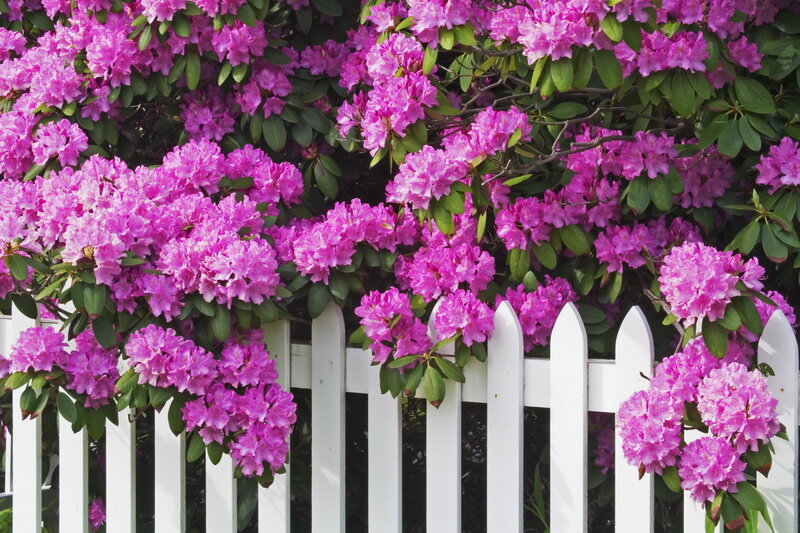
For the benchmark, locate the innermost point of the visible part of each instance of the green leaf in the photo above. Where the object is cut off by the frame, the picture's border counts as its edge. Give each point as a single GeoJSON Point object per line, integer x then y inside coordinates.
{"type": "Point", "coordinates": [195, 449]}
{"type": "Point", "coordinates": [774, 248]}
{"type": "Point", "coordinates": [175, 417]}
{"type": "Point", "coordinates": [562, 74]}
{"type": "Point", "coordinates": [433, 384]}
{"type": "Point", "coordinates": [104, 332]}
{"type": "Point", "coordinates": [414, 379]}
{"type": "Point", "coordinates": [716, 338]}
{"type": "Point", "coordinates": [17, 266]}
{"type": "Point", "coordinates": [318, 298]}
{"type": "Point", "coordinates": [16, 380]}
{"type": "Point", "coordinates": [638, 197]}
{"type": "Point", "coordinates": [192, 70]}
{"type": "Point", "coordinates": [660, 193]}
{"type": "Point", "coordinates": [730, 140]}
{"type": "Point", "coordinates": [443, 218]}
{"type": "Point", "coordinates": [575, 239]}
{"type": "Point", "coordinates": [215, 451]}
{"type": "Point", "coordinates": [402, 361]}
{"type": "Point", "coordinates": [545, 254]}
{"type": "Point", "coordinates": [748, 312]}
{"type": "Point", "coordinates": [274, 131]}
{"type": "Point", "coordinates": [127, 381]}
{"type": "Point", "coordinates": [672, 479]}
{"type": "Point", "coordinates": [326, 182]}
{"type": "Point", "coordinates": [730, 320]}
{"type": "Point", "coordinates": [159, 396]}
{"type": "Point", "coordinates": [612, 28]}
{"type": "Point", "coordinates": [221, 323]}
{"type": "Point", "coordinates": [753, 96]}
{"type": "Point", "coordinates": [749, 236]}
{"type": "Point", "coordinates": [447, 38]}
{"type": "Point", "coordinates": [682, 94]}
{"type": "Point", "coordinates": [329, 7]}
{"type": "Point", "coordinates": [750, 136]}
{"type": "Point", "coordinates": [247, 15]}
{"type": "Point", "coordinates": [26, 305]}
{"type": "Point", "coordinates": [450, 369]}
{"type": "Point", "coordinates": [429, 61]}
{"type": "Point", "coordinates": [566, 110]}
{"type": "Point", "coordinates": [239, 72]}
{"type": "Point", "coordinates": [181, 26]}
{"type": "Point", "coordinates": [519, 261]}
{"type": "Point", "coordinates": [708, 132]}
{"type": "Point", "coordinates": [94, 298]}
{"type": "Point", "coordinates": [608, 68]}
{"type": "Point", "coordinates": [66, 407]}
{"type": "Point", "coordinates": [454, 202]}
{"type": "Point", "coordinates": [145, 36]}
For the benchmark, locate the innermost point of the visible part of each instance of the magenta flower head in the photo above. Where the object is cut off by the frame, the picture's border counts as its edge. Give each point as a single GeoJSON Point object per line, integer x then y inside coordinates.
{"type": "Point", "coordinates": [650, 427]}
{"type": "Point", "coordinates": [698, 280]}
{"type": "Point", "coordinates": [736, 405]}
{"type": "Point", "coordinates": [462, 312]}
{"type": "Point", "coordinates": [710, 464]}
{"type": "Point", "coordinates": [97, 513]}
{"type": "Point", "coordinates": [38, 349]}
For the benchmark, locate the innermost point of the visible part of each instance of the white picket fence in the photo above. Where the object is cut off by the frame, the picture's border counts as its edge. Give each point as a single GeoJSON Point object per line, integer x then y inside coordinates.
{"type": "Point", "coordinates": [569, 384]}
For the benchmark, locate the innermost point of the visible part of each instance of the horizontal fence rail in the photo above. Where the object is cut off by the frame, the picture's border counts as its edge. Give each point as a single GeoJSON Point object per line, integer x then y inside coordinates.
{"type": "Point", "coordinates": [569, 384]}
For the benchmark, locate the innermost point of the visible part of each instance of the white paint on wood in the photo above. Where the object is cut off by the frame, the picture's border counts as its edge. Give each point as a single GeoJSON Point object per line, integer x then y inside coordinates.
{"type": "Point", "coordinates": [443, 455]}
{"type": "Point", "coordinates": [27, 444]}
{"type": "Point", "coordinates": [385, 456]}
{"type": "Point", "coordinates": [568, 423]}
{"type": "Point", "coordinates": [170, 486]}
{"type": "Point", "coordinates": [504, 426]}
{"type": "Point", "coordinates": [73, 479]}
{"type": "Point", "coordinates": [327, 422]}
{"type": "Point", "coordinates": [220, 496]}
{"type": "Point", "coordinates": [274, 501]}
{"type": "Point", "coordinates": [778, 348]}
{"type": "Point", "coordinates": [121, 475]}
{"type": "Point", "coordinates": [633, 497]}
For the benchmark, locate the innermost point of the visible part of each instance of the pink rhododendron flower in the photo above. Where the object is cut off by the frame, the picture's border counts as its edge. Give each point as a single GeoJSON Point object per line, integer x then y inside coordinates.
{"type": "Point", "coordinates": [709, 464]}
{"type": "Point", "coordinates": [61, 139]}
{"type": "Point", "coordinates": [461, 312]}
{"type": "Point", "coordinates": [736, 405]}
{"type": "Point", "coordinates": [538, 310]}
{"type": "Point", "coordinates": [650, 427]}
{"type": "Point", "coordinates": [781, 167]}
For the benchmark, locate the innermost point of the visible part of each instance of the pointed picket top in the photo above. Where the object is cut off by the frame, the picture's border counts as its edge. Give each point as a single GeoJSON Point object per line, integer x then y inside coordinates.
{"type": "Point", "coordinates": [778, 348]}
{"type": "Point", "coordinates": [327, 421]}
{"type": "Point", "coordinates": [443, 452]}
{"type": "Point", "coordinates": [569, 367]}
{"type": "Point", "coordinates": [504, 423]}
{"type": "Point", "coordinates": [633, 355]}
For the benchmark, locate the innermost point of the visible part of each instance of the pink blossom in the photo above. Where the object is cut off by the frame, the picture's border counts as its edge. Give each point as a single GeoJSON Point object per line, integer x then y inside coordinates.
{"type": "Point", "coordinates": [62, 139]}
{"type": "Point", "coordinates": [38, 349]}
{"type": "Point", "coordinates": [461, 312]}
{"type": "Point", "coordinates": [538, 310]}
{"type": "Point", "coordinates": [650, 427]}
{"type": "Point", "coordinates": [710, 464]}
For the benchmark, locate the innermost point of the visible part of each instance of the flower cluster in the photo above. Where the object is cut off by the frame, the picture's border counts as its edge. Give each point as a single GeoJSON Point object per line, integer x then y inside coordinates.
{"type": "Point", "coordinates": [538, 310]}
{"type": "Point", "coordinates": [699, 281]}
{"type": "Point", "coordinates": [388, 318]}
{"type": "Point", "coordinates": [733, 402]}
{"type": "Point", "coordinates": [461, 312]}
{"type": "Point", "coordinates": [90, 369]}
{"type": "Point", "coordinates": [781, 168]}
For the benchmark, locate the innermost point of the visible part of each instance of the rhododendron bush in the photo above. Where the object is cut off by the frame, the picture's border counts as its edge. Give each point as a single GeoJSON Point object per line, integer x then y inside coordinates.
{"type": "Point", "coordinates": [178, 174]}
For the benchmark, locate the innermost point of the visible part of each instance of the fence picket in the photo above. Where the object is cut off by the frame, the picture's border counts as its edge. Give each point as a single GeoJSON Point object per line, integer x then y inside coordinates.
{"type": "Point", "coordinates": [778, 348]}
{"type": "Point", "coordinates": [327, 422]}
{"type": "Point", "coordinates": [73, 479]}
{"type": "Point", "coordinates": [274, 502]}
{"type": "Point", "coordinates": [385, 457]}
{"type": "Point", "coordinates": [568, 423]}
{"type": "Point", "coordinates": [121, 475]}
{"type": "Point", "coordinates": [504, 423]}
{"type": "Point", "coordinates": [27, 444]}
{"type": "Point", "coordinates": [220, 496]}
{"type": "Point", "coordinates": [633, 497]}
{"type": "Point", "coordinates": [170, 486]}
{"type": "Point", "coordinates": [443, 454]}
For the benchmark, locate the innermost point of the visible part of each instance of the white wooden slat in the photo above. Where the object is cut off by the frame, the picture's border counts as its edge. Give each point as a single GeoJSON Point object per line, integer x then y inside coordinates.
{"type": "Point", "coordinates": [73, 478]}
{"type": "Point", "coordinates": [121, 475]}
{"type": "Point", "coordinates": [568, 423]}
{"type": "Point", "coordinates": [633, 497]}
{"type": "Point", "coordinates": [274, 502]}
{"type": "Point", "coordinates": [170, 477]}
{"type": "Point", "coordinates": [27, 470]}
{"type": "Point", "coordinates": [385, 457]}
{"type": "Point", "coordinates": [778, 348]}
{"type": "Point", "coordinates": [220, 496]}
{"type": "Point", "coordinates": [327, 422]}
{"type": "Point", "coordinates": [443, 454]}
{"type": "Point", "coordinates": [504, 423]}
{"type": "Point", "coordinates": [694, 515]}
{"type": "Point", "coordinates": [27, 444]}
